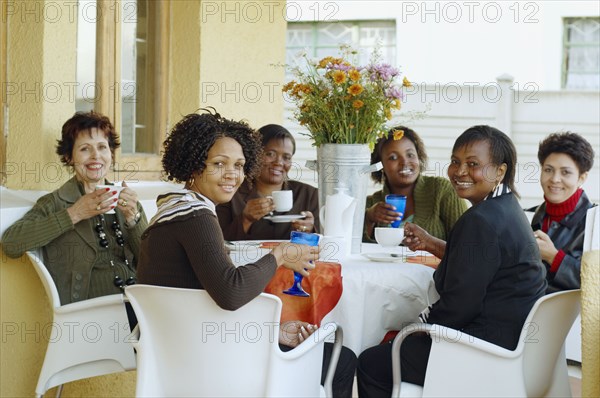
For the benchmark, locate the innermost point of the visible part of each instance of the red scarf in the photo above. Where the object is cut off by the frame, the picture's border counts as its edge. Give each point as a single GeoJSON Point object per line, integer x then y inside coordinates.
{"type": "Point", "coordinates": [558, 211]}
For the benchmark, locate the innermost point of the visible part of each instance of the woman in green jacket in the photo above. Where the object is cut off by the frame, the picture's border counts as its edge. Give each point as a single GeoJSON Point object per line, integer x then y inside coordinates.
{"type": "Point", "coordinates": [431, 202]}
{"type": "Point", "coordinates": [88, 237]}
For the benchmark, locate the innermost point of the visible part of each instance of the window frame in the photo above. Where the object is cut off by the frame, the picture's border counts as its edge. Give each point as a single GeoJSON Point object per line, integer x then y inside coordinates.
{"type": "Point", "coordinates": [128, 166]}
{"type": "Point", "coordinates": [566, 46]}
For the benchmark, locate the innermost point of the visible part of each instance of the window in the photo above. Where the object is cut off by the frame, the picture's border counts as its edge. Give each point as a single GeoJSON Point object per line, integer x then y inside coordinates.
{"type": "Point", "coordinates": [321, 39]}
{"type": "Point", "coordinates": [581, 53]}
{"type": "Point", "coordinates": [124, 75]}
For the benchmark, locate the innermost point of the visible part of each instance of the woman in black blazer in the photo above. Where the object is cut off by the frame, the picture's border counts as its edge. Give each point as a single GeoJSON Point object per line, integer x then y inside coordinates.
{"type": "Point", "coordinates": [490, 274]}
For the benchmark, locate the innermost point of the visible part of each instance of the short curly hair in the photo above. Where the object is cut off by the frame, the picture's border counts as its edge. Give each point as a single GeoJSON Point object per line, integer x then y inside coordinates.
{"type": "Point", "coordinates": [186, 148]}
{"type": "Point", "coordinates": [572, 145]}
{"type": "Point", "coordinates": [409, 134]}
{"type": "Point", "coordinates": [85, 121]}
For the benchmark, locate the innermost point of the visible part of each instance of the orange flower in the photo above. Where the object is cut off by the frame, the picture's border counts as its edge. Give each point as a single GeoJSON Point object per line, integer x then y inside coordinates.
{"type": "Point", "coordinates": [398, 134]}
{"type": "Point", "coordinates": [305, 88]}
{"type": "Point", "coordinates": [323, 63]}
{"type": "Point", "coordinates": [288, 86]}
{"type": "Point", "coordinates": [355, 89]}
{"type": "Point", "coordinates": [300, 89]}
{"type": "Point", "coordinates": [339, 77]}
{"type": "Point", "coordinates": [396, 104]}
{"type": "Point", "coordinates": [406, 82]}
{"type": "Point", "coordinates": [354, 75]}
{"type": "Point", "coordinates": [357, 104]}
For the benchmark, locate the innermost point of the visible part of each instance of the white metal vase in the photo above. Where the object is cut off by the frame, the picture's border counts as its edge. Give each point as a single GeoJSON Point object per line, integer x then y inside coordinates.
{"type": "Point", "coordinates": [345, 168]}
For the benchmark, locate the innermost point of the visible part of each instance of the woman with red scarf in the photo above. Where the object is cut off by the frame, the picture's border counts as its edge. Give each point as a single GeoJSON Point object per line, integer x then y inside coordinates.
{"type": "Point", "coordinates": [559, 222]}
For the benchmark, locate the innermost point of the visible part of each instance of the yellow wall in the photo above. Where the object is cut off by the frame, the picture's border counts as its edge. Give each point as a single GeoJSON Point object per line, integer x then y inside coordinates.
{"type": "Point", "coordinates": [41, 59]}
{"type": "Point", "coordinates": [237, 76]}
{"type": "Point", "coordinates": [207, 45]}
{"type": "Point", "coordinates": [590, 324]}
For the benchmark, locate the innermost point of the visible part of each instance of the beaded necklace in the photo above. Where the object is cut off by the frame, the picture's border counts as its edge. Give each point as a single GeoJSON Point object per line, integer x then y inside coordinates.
{"type": "Point", "coordinates": [118, 281]}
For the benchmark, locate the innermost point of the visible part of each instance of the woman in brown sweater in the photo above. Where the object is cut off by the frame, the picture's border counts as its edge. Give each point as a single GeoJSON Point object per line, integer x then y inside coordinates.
{"type": "Point", "coordinates": [184, 247]}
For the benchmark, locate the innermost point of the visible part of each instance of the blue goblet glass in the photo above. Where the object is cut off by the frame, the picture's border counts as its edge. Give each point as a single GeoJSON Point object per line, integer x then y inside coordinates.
{"type": "Point", "coordinates": [303, 238]}
{"type": "Point", "coordinates": [399, 202]}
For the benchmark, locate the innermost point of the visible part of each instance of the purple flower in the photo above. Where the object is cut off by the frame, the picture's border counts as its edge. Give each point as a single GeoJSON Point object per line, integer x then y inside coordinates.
{"type": "Point", "coordinates": [394, 93]}
{"type": "Point", "coordinates": [382, 71]}
{"type": "Point", "coordinates": [343, 67]}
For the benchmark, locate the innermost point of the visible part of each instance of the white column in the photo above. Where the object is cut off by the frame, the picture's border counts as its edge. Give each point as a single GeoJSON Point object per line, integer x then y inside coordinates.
{"type": "Point", "coordinates": [504, 105]}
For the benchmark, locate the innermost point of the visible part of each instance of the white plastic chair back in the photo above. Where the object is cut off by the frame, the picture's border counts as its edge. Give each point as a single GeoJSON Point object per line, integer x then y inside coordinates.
{"type": "Point", "coordinates": [189, 346]}
{"type": "Point", "coordinates": [543, 338]}
{"type": "Point", "coordinates": [591, 240]}
{"type": "Point", "coordinates": [464, 366]}
{"type": "Point", "coordinates": [89, 338]}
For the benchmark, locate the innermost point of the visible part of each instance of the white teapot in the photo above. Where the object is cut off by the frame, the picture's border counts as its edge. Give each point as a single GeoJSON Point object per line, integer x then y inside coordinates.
{"type": "Point", "coordinates": [337, 216]}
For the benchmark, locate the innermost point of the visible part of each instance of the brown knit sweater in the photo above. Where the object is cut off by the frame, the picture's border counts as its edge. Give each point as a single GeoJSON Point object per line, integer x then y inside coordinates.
{"type": "Point", "coordinates": [189, 252]}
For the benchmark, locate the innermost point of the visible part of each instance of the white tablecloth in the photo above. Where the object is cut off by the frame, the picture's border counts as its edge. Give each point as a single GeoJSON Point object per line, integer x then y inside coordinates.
{"type": "Point", "coordinates": [377, 296]}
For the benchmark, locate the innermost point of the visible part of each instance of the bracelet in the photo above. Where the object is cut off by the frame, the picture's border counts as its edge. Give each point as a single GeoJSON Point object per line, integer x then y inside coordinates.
{"type": "Point", "coordinates": [136, 220]}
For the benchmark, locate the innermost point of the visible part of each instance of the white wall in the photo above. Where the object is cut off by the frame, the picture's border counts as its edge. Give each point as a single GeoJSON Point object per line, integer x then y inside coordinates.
{"type": "Point", "coordinates": [454, 52]}
{"type": "Point", "coordinates": [466, 41]}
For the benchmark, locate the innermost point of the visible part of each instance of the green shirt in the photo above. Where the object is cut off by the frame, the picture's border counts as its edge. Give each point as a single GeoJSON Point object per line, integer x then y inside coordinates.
{"type": "Point", "coordinates": [437, 206]}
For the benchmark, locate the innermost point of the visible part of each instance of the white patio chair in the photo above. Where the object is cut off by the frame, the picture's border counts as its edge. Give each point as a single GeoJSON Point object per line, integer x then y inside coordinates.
{"type": "Point", "coordinates": [461, 365]}
{"type": "Point", "coordinates": [188, 346]}
{"type": "Point", "coordinates": [89, 338]}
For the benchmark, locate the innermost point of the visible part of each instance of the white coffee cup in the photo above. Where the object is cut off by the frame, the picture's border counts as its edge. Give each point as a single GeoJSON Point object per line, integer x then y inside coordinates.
{"type": "Point", "coordinates": [389, 237]}
{"type": "Point", "coordinates": [283, 200]}
{"type": "Point", "coordinates": [117, 188]}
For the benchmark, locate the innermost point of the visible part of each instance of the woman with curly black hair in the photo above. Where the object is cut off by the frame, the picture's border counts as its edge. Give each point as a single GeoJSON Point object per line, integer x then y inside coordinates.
{"type": "Point", "coordinates": [559, 222]}
{"type": "Point", "coordinates": [184, 247]}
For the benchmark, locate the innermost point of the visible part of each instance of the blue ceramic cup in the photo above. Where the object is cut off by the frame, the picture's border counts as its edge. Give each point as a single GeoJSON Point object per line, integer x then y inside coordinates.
{"type": "Point", "coordinates": [302, 238]}
{"type": "Point", "coordinates": [399, 202]}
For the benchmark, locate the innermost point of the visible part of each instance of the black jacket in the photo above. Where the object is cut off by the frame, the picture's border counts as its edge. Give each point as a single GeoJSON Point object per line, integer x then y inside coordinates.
{"type": "Point", "coordinates": [491, 273]}
{"type": "Point", "coordinates": [567, 235]}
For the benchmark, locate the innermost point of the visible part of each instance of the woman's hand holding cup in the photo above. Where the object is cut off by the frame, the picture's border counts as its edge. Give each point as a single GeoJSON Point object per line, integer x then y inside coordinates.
{"type": "Point", "coordinates": [127, 203]}
{"type": "Point", "coordinates": [297, 257]}
{"type": "Point", "coordinates": [92, 204]}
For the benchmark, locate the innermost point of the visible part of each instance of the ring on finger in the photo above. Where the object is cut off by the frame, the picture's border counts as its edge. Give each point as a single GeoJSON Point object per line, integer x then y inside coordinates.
{"type": "Point", "coordinates": [98, 207]}
{"type": "Point", "coordinates": [123, 202]}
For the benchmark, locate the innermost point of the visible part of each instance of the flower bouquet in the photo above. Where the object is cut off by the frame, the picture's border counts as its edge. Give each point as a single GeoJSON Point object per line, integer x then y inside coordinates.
{"type": "Point", "coordinates": [340, 102]}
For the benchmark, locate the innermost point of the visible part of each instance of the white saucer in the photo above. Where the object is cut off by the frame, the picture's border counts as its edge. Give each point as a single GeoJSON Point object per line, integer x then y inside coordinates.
{"type": "Point", "coordinates": [284, 218]}
{"type": "Point", "coordinates": [387, 257]}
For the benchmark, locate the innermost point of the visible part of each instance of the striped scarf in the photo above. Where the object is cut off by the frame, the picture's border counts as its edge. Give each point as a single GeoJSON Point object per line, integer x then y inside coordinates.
{"type": "Point", "coordinates": [180, 203]}
{"type": "Point", "coordinates": [500, 189]}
